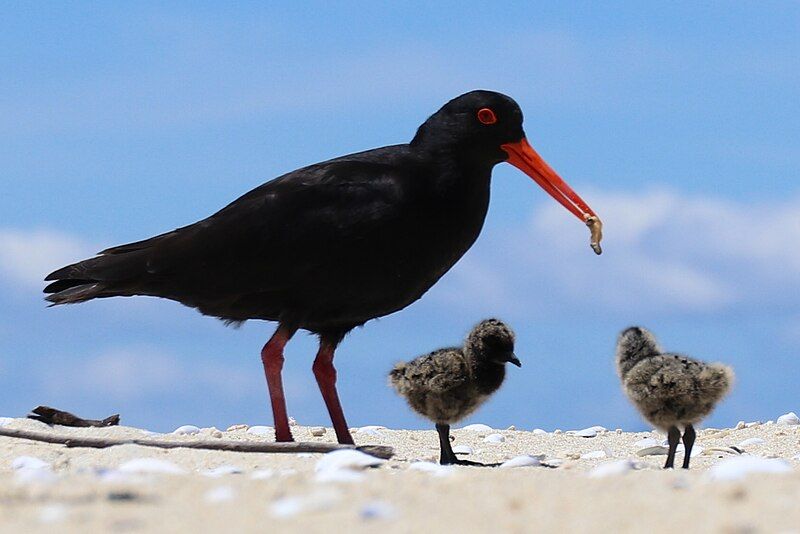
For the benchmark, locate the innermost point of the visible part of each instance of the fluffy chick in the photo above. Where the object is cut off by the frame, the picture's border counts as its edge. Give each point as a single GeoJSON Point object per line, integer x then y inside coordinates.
{"type": "Point", "coordinates": [671, 391]}
{"type": "Point", "coordinates": [449, 384]}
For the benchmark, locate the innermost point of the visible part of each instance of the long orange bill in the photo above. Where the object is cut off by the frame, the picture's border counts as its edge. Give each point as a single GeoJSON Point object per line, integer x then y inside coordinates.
{"type": "Point", "coordinates": [522, 156]}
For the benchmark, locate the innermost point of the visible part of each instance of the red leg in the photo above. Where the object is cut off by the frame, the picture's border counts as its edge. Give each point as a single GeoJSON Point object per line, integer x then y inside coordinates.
{"type": "Point", "coordinates": [325, 373]}
{"type": "Point", "coordinates": [272, 358]}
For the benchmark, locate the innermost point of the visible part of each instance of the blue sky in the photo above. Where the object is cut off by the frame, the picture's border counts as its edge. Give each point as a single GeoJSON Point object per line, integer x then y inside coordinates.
{"type": "Point", "coordinates": [679, 124]}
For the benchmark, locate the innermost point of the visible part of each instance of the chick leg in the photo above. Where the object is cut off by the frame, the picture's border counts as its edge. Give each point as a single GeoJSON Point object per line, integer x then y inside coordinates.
{"type": "Point", "coordinates": [673, 437]}
{"type": "Point", "coordinates": [448, 457]}
{"type": "Point", "coordinates": [688, 441]}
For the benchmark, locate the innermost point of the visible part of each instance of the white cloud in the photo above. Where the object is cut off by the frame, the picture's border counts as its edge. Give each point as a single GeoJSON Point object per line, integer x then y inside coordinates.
{"type": "Point", "coordinates": [27, 256]}
{"type": "Point", "coordinates": [663, 253]}
{"type": "Point", "coordinates": [129, 373]}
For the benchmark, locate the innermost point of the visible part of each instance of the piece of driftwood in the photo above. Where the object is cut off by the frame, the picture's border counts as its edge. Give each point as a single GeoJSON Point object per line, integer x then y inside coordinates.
{"type": "Point", "coordinates": [52, 416]}
{"type": "Point", "coordinates": [379, 451]}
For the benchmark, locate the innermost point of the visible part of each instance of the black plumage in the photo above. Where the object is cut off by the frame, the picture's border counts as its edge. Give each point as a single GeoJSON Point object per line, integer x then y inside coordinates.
{"type": "Point", "coordinates": [330, 246]}
{"type": "Point", "coordinates": [449, 384]}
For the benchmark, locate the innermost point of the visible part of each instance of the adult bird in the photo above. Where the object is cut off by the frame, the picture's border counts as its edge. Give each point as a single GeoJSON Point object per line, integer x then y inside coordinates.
{"type": "Point", "coordinates": [330, 246]}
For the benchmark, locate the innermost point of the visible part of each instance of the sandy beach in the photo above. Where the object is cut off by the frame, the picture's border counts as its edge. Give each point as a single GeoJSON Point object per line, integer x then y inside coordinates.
{"type": "Point", "coordinates": [582, 484]}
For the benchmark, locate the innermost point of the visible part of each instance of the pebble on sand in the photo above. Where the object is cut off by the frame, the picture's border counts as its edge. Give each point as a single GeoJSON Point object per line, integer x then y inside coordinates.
{"type": "Point", "coordinates": [29, 469]}
{"type": "Point", "coordinates": [584, 433]}
{"type": "Point", "coordinates": [614, 468]}
{"type": "Point", "coordinates": [494, 438]}
{"type": "Point", "coordinates": [739, 467]}
{"type": "Point", "coordinates": [212, 431]}
{"type": "Point", "coordinates": [653, 450]}
{"type": "Point", "coordinates": [186, 430]}
{"type": "Point", "coordinates": [28, 462]}
{"type": "Point", "coordinates": [525, 460]}
{"type": "Point", "coordinates": [462, 449]}
{"type": "Point", "coordinates": [151, 465]}
{"type": "Point", "coordinates": [647, 442]}
{"type": "Point", "coordinates": [347, 459]}
{"type": "Point", "coordinates": [318, 432]}
{"type": "Point", "coordinates": [371, 430]}
{"type": "Point", "coordinates": [35, 476]}
{"type": "Point", "coordinates": [789, 419]}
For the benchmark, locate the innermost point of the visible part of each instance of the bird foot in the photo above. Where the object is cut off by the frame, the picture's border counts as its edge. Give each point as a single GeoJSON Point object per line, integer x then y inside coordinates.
{"type": "Point", "coordinates": [284, 438]}
{"type": "Point", "coordinates": [458, 461]}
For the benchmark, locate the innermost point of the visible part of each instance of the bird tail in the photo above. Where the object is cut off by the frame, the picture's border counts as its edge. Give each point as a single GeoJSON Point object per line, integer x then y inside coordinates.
{"type": "Point", "coordinates": [101, 276]}
{"type": "Point", "coordinates": [718, 379]}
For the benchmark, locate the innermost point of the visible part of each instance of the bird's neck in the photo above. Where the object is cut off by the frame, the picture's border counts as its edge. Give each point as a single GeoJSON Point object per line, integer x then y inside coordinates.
{"type": "Point", "coordinates": [488, 375]}
{"type": "Point", "coordinates": [457, 173]}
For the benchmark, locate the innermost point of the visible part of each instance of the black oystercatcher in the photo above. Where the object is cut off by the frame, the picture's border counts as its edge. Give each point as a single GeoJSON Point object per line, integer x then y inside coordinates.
{"type": "Point", "coordinates": [669, 390]}
{"type": "Point", "coordinates": [330, 246]}
{"type": "Point", "coordinates": [449, 384]}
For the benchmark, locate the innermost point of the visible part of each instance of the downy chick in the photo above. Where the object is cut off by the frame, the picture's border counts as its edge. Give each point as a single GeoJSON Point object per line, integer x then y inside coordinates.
{"type": "Point", "coordinates": [449, 384]}
{"type": "Point", "coordinates": [671, 391]}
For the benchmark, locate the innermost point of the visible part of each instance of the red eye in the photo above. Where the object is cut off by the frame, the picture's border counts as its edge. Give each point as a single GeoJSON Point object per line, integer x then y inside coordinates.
{"type": "Point", "coordinates": [487, 116]}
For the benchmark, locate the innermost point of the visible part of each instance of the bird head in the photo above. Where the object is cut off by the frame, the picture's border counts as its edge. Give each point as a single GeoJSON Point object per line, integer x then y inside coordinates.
{"type": "Point", "coordinates": [634, 345]}
{"type": "Point", "coordinates": [485, 127]}
{"type": "Point", "coordinates": [492, 340]}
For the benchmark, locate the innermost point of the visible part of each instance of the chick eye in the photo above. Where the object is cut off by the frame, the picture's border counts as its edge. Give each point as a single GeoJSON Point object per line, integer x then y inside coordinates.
{"type": "Point", "coordinates": [487, 116]}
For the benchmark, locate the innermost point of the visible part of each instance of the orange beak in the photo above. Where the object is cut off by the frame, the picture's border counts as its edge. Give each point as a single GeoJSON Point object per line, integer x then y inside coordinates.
{"type": "Point", "coordinates": [522, 156]}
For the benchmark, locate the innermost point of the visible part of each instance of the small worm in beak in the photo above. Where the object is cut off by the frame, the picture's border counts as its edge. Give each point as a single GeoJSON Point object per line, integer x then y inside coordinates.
{"type": "Point", "coordinates": [596, 228]}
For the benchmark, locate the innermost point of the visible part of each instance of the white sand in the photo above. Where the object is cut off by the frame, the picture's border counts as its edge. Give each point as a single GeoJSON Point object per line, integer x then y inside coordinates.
{"type": "Point", "coordinates": [85, 492]}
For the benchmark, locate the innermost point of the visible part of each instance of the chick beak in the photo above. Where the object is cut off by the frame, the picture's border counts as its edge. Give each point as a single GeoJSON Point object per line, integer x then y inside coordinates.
{"type": "Point", "coordinates": [512, 358]}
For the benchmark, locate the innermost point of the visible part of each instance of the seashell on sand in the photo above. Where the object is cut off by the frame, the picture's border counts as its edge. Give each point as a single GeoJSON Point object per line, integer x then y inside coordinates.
{"type": "Point", "coordinates": [740, 467]}
{"type": "Point", "coordinates": [462, 449]}
{"type": "Point", "coordinates": [613, 468]}
{"type": "Point", "coordinates": [521, 461]}
{"type": "Point", "coordinates": [478, 427]}
{"type": "Point", "coordinates": [789, 419]}
{"type": "Point", "coordinates": [186, 430]}
{"type": "Point", "coordinates": [347, 459]}
{"type": "Point", "coordinates": [260, 430]}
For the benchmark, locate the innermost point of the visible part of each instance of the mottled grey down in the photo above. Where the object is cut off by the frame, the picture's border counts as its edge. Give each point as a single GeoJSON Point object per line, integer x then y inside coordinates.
{"type": "Point", "coordinates": [449, 384]}
{"type": "Point", "coordinates": [668, 389]}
